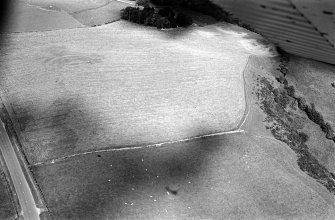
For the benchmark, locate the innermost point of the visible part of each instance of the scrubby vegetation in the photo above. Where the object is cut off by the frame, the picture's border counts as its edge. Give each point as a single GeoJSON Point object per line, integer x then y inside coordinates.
{"type": "Point", "coordinates": [303, 137]}
{"type": "Point", "coordinates": [281, 117]}
{"type": "Point", "coordinates": [281, 97]}
{"type": "Point", "coordinates": [290, 91]}
{"type": "Point", "coordinates": [276, 102]}
{"type": "Point", "coordinates": [183, 20]}
{"type": "Point", "coordinates": [302, 104]}
{"type": "Point", "coordinates": [317, 118]}
{"type": "Point", "coordinates": [310, 110]}
{"type": "Point", "coordinates": [144, 3]}
{"type": "Point", "coordinates": [162, 18]}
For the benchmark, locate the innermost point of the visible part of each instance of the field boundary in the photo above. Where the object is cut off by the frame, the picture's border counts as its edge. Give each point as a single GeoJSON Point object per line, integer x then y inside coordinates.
{"type": "Point", "coordinates": [137, 147]}
{"type": "Point", "coordinates": [16, 140]}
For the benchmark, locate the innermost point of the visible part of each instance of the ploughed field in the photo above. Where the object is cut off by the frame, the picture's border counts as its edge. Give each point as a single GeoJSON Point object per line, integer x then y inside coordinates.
{"type": "Point", "coordinates": [72, 91]}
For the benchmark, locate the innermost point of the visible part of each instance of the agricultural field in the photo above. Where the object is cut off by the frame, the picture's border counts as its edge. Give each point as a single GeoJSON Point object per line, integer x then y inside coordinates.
{"type": "Point", "coordinates": [69, 6]}
{"type": "Point", "coordinates": [246, 175]}
{"type": "Point", "coordinates": [37, 15]}
{"type": "Point", "coordinates": [122, 84]}
{"type": "Point", "coordinates": [26, 18]}
{"type": "Point", "coordinates": [101, 15]}
{"type": "Point", "coordinates": [123, 121]}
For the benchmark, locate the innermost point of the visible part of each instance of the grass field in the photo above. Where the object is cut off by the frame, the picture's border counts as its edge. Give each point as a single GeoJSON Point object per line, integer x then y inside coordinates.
{"type": "Point", "coordinates": [236, 176]}
{"type": "Point", "coordinates": [25, 18]}
{"type": "Point", "coordinates": [102, 15]}
{"type": "Point", "coordinates": [122, 85]}
{"type": "Point", "coordinates": [69, 6]}
{"type": "Point", "coordinates": [313, 79]}
{"type": "Point", "coordinates": [36, 15]}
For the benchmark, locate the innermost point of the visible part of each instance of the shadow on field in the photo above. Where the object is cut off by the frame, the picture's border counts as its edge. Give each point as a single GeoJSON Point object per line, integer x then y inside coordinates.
{"type": "Point", "coordinates": [5, 6]}
{"type": "Point", "coordinates": [97, 185]}
{"type": "Point", "coordinates": [55, 129]}
{"type": "Point", "coordinates": [118, 184]}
